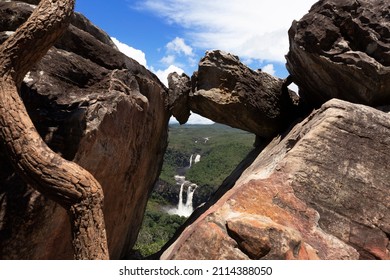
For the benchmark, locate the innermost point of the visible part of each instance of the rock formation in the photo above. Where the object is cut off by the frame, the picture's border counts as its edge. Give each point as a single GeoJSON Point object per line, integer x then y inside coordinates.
{"type": "Point", "coordinates": [320, 192]}
{"type": "Point", "coordinates": [179, 91]}
{"type": "Point", "coordinates": [104, 111]}
{"type": "Point", "coordinates": [341, 49]}
{"type": "Point", "coordinates": [226, 91]}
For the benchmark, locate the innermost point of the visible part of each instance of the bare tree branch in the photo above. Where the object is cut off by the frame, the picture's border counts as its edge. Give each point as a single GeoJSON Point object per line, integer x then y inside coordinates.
{"type": "Point", "coordinates": [65, 182]}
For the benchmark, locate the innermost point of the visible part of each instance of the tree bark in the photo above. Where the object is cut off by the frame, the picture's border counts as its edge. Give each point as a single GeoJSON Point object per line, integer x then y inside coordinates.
{"type": "Point", "coordinates": [65, 182]}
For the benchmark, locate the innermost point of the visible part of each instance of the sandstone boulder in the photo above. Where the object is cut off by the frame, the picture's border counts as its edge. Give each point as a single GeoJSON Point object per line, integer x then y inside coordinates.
{"type": "Point", "coordinates": [341, 49]}
{"type": "Point", "coordinates": [101, 109]}
{"type": "Point", "coordinates": [228, 92]}
{"type": "Point", "coordinates": [320, 192]}
{"type": "Point", "coordinates": [179, 91]}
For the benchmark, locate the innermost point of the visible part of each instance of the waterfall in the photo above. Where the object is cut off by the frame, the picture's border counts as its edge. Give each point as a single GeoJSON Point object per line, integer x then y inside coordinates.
{"type": "Point", "coordinates": [184, 209]}
{"type": "Point", "coordinates": [197, 159]}
{"type": "Point", "coordinates": [180, 206]}
{"type": "Point", "coordinates": [190, 197]}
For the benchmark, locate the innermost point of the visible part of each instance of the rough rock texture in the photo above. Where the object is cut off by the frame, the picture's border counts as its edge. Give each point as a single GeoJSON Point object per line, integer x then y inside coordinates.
{"type": "Point", "coordinates": [95, 106]}
{"type": "Point", "coordinates": [226, 91]}
{"type": "Point", "coordinates": [179, 91]}
{"type": "Point", "coordinates": [320, 192]}
{"type": "Point", "coordinates": [14, 13]}
{"type": "Point", "coordinates": [341, 49]}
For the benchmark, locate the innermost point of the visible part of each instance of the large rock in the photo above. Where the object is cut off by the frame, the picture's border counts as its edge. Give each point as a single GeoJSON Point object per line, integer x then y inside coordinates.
{"type": "Point", "coordinates": [14, 13]}
{"type": "Point", "coordinates": [320, 192]}
{"type": "Point", "coordinates": [226, 91]}
{"type": "Point", "coordinates": [341, 49]}
{"type": "Point", "coordinates": [179, 91]}
{"type": "Point", "coordinates": [101, 109]}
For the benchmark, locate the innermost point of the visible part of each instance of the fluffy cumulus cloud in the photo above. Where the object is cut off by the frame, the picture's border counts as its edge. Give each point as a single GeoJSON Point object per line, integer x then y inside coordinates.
{"type": "Point", "coordinates": [254, 29]}
{"type": "Point", "coordinates": [168, 59]}
{"type": "Point", "coordinates": [135, 54]}
{"type": "Point", "coordinates": [163, 74]}
{"type": "Point", "coordinates": [176, 46]}
{"type": "Point", "coordinates": [179, 53]}
{"type": "Point", "coordinates": [269, 68]}
{"type": "Point", "coordinates": [179, 46]}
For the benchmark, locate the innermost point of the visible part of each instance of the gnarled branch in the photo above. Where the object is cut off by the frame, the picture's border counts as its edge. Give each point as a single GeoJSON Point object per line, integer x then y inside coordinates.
{"type": "Point", "coordinates": [65, 182]}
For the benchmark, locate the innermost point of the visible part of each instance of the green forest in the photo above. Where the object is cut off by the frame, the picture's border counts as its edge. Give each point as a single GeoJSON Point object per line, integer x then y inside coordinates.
{"type": "Point", "coordinates": [221, 149]}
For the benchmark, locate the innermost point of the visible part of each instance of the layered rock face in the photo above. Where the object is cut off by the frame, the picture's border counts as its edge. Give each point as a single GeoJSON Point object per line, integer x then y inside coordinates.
{"type": "Point", "coordinates": [226, 91]}
{"type": "Point", "coordinates": [340, 49]}
{"type": "Point", "coordinates": [99, 108]}
{"type": "Point", "coordinates": [321, 189]}
{"type": "Point", "coordinates": [320, 192]}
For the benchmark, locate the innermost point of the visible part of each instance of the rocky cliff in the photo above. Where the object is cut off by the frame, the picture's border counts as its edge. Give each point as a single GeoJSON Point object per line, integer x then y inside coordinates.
{"type": "Point", "coordinates": [99, 108]}
{"type": "Point", "coordinates": [340, 49]}
{"type": "Point", "coordinates": [317, 187]}
{"type": "Point", "coordinates": [319, 190]}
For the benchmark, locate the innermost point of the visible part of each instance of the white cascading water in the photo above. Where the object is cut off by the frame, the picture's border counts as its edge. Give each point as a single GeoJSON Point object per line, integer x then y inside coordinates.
{"type": "Point", "coordinates": [184, 209]}
{"type": "Point", "coordinates": [190, 197]}
{"type": "Point", "coordinates": [191, 161]}
{"type": "Point", "coordinates": [180, 206]}
{"type": "Point", "coordinates": [197, 159]}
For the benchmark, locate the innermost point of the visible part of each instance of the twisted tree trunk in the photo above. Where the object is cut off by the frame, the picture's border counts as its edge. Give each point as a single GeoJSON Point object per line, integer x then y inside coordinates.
{"type": "Point", "coordinates": [65, 182]}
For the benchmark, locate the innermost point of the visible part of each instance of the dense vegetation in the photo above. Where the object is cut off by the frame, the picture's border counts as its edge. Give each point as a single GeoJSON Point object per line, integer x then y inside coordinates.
{"type": "Point", "coordinates": [157, 228]}
{"type": "Point", "coordinates": [221, 149]}
{"type": "Point", "coordinates": [217, 164]}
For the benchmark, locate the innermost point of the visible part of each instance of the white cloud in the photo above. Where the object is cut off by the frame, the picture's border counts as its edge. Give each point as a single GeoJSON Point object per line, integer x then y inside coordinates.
{"type": "Point", "coordinates": [178, 50]}
{"type": "Point", "coordinates": [163, 74]}
{"type": "Point", "coordinates": [192, 61]}
{"type": "Point", "coordinates": [168, 60]}
{"type": "Point", "coordinates": [294, 87]}
{"type": "Point", "coordinates": [269, 68]}
{"type": "Point", "coordinates": [194, 119]}
{"type": "Point", "coordinates": [179, 46]}
{"type": "Point", "coordinates": [135, 54]}
{"type": "Point", "coordinates": [197, 119]}
{"type": "Point", "coordinates": [254, 29]}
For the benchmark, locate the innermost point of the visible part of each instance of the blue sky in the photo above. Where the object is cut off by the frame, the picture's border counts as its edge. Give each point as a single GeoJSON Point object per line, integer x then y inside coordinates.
{"type": "Point", "coordinates": [172, 35]}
